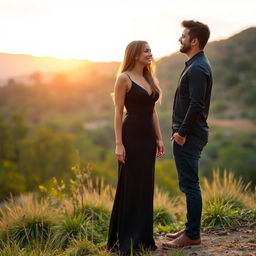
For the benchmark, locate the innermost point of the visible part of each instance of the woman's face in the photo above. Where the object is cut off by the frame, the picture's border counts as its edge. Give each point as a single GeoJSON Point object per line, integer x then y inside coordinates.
{"type": "Point", "coordinates": [145, 57]}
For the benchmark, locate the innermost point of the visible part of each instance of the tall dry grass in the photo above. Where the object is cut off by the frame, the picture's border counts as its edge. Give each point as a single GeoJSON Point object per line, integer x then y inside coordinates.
{"type": "Point", "coordinates": [26, 206]}
{"type": "Point", "coordinates": [229, 189]}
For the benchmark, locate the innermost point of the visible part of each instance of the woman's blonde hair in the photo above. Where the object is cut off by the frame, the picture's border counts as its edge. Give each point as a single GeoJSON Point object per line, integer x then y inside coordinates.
{"type": "Point", "coordinates": [132, 52]}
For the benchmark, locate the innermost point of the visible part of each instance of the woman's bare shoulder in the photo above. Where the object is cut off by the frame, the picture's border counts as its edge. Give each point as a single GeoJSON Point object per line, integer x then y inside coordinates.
{"type": "Point", "coordinates": [123, 77]}
{"type": "Point", "coordinates": [123, 81]}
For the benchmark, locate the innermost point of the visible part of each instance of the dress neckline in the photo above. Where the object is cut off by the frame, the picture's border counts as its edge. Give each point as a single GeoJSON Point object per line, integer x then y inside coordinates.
{"type": "Point", "coordinates": [149, 95]}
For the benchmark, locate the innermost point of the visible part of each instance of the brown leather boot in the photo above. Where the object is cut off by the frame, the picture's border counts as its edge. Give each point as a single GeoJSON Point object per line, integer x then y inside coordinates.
{"type": "Point", "coordinates": [181, 242]}
{"type": "Point", "coordinates": [171, 236]}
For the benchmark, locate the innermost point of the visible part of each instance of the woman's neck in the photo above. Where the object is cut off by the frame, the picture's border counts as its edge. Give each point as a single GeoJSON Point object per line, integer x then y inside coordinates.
{"type": "Point", "coordinates": [137, 70]}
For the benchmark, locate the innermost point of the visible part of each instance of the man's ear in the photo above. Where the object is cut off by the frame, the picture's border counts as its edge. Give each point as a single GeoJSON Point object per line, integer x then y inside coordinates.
{"type": "Point", "coordinates": [194, 42]}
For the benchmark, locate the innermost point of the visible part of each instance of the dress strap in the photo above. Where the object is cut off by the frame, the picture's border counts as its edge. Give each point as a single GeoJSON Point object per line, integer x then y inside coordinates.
{"type": "Point", "coordinates": [129, 77]}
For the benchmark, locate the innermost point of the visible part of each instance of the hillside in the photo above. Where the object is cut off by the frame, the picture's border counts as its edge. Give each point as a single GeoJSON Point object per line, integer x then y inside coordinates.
{"type": "Point", "coordinates": [232, 62]}
{"type": "Point", "coordinates": [15, 65]}
{"type": "Point", "coordinates": [46, 125]}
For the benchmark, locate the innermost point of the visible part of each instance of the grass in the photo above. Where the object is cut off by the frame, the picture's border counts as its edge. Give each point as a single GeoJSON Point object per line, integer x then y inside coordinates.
{"type": "Point", "coordinates": [75, 222]}
{"type": "Point", "coordinates": [228, 189]}
{"type": "Point", "coordinates": [162, 216]}
{"type": "Point", "coordinates": [227, 201]}
{"type": "Point", "coordinates": [176, 253]}
{"type": "Point", "coordinates": [81, 248]}
{"type": "Point", "coordinates": [219, 214]}
{"type": "Point", "coordinates": [68, 229]}
{"type": "Point", "coordinates": [26, 221]}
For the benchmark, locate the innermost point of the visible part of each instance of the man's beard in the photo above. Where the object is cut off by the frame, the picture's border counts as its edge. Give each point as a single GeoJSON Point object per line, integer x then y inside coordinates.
{"type": "Point", "coordinates": [185, 49]}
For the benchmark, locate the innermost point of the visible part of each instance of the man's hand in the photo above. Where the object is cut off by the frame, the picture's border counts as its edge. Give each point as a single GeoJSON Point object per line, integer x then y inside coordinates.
{"type": "Point", "coordinates": [179, 139]}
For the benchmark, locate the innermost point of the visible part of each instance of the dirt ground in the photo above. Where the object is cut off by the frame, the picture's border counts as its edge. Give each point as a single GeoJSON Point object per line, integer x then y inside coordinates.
{"type": "Point", "coordinates": [233, 242]}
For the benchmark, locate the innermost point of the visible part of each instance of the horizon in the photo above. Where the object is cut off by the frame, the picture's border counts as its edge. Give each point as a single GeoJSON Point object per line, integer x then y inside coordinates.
{"type": "Point", "coordinates": [109, 61]}
{"type": "Point", "coordinates": [99, 32]}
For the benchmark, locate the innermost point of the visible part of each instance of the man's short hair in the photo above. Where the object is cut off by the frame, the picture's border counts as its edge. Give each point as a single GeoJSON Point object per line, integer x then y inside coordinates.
{"type": "Point", "coordinates": [197, 30]}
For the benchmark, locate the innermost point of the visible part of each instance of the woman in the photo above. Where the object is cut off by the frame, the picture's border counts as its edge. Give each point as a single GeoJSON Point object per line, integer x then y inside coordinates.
{"type": "Point", "coordinates": [138, 142]}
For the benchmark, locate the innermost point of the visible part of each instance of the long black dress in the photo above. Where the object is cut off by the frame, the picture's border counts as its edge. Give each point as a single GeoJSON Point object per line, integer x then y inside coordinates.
{"type": "Point", "coordinates": [131, 224]}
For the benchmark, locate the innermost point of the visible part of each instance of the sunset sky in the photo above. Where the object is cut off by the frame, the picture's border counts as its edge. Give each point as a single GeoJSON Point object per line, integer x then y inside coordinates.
{"type": "Point", "coordinates": [99, 30]}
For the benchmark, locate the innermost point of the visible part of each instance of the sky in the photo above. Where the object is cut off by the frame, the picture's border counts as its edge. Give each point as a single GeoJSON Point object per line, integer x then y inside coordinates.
{"type": "Point", "coordinates": [99, 30]}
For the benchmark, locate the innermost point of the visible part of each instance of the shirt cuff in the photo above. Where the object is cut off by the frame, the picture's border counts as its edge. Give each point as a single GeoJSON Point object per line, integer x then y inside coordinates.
{"type": "Point", "coordinates": [182, 132]}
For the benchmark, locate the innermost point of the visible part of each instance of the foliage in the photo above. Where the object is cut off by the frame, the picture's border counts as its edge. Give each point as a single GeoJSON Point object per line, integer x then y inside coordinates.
{"type": "Point", "coordinates": [219, 214]}
{"type": "Point", "coordinates": [30, 230]}
{"type": "Point", "coordinates": [162, 217]}
{"type": "Point", "coordinates": [77, 228]}
{"type": "Point", "coordinates": [81, 248]}
{"type": "Point", "coordinates": [173, 227]}
{"type": "Point", "coordinates": [229, 190]}
{"type": "Point", "coordinates": [42, 125]}
{"type": "Point", "coordinates": [36, 227]}
{"type": "Point", "coordinates": [9, 249]}
{"type": "Point", "coordinates": [222, 153]}
{"type": "Point", "coordinates": [27, 221]}
{"type": "Point", "coordinates": [176, 252]}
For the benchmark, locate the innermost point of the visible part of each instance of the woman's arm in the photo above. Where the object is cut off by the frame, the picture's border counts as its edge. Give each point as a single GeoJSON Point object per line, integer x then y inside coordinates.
{"type": "Point", "coordinates": [120, 90]}
{"type": "Point", "coordinates": [159, 139]}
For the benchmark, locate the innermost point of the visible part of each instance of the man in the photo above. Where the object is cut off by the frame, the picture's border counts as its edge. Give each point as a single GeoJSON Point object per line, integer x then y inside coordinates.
{"type": "Point", "coordinates": [190, 129]}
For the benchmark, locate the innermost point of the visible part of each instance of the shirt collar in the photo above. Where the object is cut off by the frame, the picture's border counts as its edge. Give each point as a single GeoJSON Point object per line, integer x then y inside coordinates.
{"type": "Point", "coordinates": [190, 61]}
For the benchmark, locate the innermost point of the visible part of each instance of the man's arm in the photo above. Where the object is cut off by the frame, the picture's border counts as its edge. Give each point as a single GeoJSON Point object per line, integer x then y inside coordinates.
{"type": "Point", "coordinates": [197, 89]}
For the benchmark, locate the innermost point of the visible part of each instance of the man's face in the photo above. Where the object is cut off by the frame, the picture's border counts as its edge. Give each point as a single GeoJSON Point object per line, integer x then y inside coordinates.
{"type": "Point", "coordinates": [185, 41]}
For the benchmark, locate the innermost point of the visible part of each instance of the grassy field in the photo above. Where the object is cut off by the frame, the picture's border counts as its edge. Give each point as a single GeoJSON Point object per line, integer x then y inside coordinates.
{"type": "Point", "coordinates": [71, 219]}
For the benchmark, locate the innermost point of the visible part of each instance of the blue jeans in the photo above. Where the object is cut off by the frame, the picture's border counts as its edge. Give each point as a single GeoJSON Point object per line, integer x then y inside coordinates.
{"type": "Point", "coordinates": [187, 164]}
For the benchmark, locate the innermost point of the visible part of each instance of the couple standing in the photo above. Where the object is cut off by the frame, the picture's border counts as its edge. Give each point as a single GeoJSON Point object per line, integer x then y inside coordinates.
{"type": "Point", "coordinates": [139, 141]}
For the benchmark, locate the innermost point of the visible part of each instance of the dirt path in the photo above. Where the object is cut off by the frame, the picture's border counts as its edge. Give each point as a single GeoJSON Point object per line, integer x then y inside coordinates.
{"type": "Point", "coordinates": [234, 242]}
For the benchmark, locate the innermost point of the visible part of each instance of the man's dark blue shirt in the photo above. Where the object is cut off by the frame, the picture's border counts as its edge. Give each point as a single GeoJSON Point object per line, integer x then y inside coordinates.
{"type": "Point", "coordinates": [192, 98]}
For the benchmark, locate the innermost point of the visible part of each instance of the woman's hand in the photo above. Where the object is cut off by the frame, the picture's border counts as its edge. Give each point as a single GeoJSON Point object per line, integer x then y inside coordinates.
{"type": "Point", "coordinates": [159, 148]}
{"type": "Point", "coordinates": [120, 153]}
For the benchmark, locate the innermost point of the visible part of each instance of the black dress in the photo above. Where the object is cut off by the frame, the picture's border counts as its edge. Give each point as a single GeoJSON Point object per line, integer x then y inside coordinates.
{"type": "Point", "coordinates": [131, 224]}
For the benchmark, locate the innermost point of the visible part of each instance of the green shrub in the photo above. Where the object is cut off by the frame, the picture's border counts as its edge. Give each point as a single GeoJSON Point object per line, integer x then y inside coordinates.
{"type": "Point", "coordinates": [227, 189]}
{"type": "Point", "coordinates": [162, 216]}
{"type": "Point", "coordinates": [75, 227]}
{"type": "Point", "coordinates": [81, 248]}
{"type": "Point", "coordinates": [247, 216]}
{"type": "Point", "coordinates": [98, 216]}
{"type": "Point", "coordinates": [69, 228]}
{"type": "Point", "coordinates": [173, 227]}
{"type": "Point", "coordinates": [219, 214]}
{"type": "Point", "coordinates": [9, 249]}
{"type": "Point", "coordinates": [218, 106]}
{"type": "Point", "coordinates": [176, 252]}
{"type": "Point", "coordinates": [29, 230]}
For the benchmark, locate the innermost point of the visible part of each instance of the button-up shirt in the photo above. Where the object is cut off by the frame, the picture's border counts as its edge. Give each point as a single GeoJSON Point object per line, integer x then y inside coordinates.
{"type": "Point", "coordinates": [192, 98]}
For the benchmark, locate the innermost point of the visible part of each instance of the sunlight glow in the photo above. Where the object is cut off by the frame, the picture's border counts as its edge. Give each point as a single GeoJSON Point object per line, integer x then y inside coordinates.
{"type": "Point", "coordinates": [99, 30]}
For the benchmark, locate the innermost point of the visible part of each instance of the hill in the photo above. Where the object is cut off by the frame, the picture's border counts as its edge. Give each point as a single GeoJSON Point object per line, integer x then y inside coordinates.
{"type": "Point", "coordinates": [15, 65]}
{"type": "Point", "coordinates": [43, 125]}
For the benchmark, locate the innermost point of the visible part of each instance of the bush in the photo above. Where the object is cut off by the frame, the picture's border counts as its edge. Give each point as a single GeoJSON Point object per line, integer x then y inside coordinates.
{"type": "Point", "coordinates": [219, 214]}
{"type": "Point", "coordinates": [13, 249]}
{"type": "Point", "coordinates": [218, 106]}
{"type": "Point", "coordinates": [227, 189]}
{"type": "Point", "coordinates": [98, 216]}
{"type": "Point", "coordinates": [26, 221]}
{"type": "Point", "coordinates": [75, 228]}
{"type": "Point", "coordinates": [162, 217]}
{"type": "Point", "coordinates": [30, 230]}
{"type": "Point", "coordinates": [9, 249]}
{"type": "Point", "coordinates": [81, 248]}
